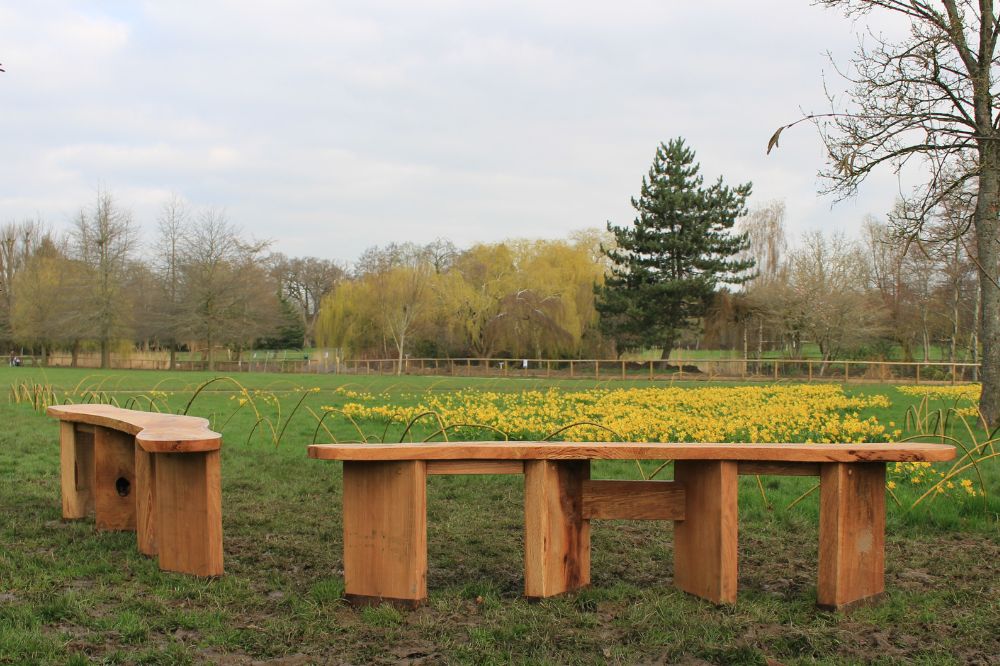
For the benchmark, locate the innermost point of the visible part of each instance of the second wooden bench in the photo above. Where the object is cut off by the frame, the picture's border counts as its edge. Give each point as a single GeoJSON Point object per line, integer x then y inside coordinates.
{"type": "Point", "coordinates": [385, 510]}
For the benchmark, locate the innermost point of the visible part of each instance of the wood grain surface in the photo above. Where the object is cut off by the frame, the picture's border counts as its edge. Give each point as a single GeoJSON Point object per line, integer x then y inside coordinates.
{"type": "Point", "coordinates": [76, 461]}
{"type": "Point", "coordinates": [705, 541]}
{"type": "Point", "coordinates": [818, 453]}
{"type": "Point", "coordinates": [556, 535]}
{"type": "Point", "coordinates": [633, 500]}
{"type": "Point", "coordinates": [851, 535]}
{"type": "Point", "coordinates": [385, 532]}
{"type": "Point", "coordinates": [155, 432]}
{"type": "Point", "coordinates": [189, 513]}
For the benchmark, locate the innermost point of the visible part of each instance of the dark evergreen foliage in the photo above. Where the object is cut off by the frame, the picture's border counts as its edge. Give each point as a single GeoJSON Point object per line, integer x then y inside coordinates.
{"type": "Point", "coordinates": [667, 266]}
{"type": "Point", "coordinates": [290, 329]}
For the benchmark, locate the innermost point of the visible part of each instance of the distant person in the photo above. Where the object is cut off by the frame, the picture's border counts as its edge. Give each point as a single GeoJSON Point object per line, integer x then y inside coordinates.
{"type": "Point", "coordinates": [17, 362]}
{"type": "Point", "coordinates": [10, 361]}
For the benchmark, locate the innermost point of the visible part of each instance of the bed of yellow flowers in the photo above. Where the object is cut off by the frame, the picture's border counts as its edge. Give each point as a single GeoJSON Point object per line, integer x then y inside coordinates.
{"type": "Point", "coordinates": [779, 413]}
{"type": "Point", "coordinates": [769, 413]}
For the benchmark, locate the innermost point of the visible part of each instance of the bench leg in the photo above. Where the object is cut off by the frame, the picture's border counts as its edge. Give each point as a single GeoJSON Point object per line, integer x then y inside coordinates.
{"type": "Point", "coordinates": [705, 541]}
{"type": "Point", "coordinates": [556, 536]}
{"type": "Point", "coordinates": [114, 482]}
{"type": "Point", "coordinates": [851, 534]}
{"type": "Point", "coordinates": [76, 462]}
{"type": "Point", "coordinates": [385, 532]}
{"type": "Point", "coordinates": [145, 501]}
{"type": "Point", "coordinates": [188, 512]}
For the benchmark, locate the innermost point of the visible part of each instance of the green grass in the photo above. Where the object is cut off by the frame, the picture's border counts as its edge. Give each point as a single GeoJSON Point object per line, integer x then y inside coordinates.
{"type": "Point", "coordinates": [69, 594]}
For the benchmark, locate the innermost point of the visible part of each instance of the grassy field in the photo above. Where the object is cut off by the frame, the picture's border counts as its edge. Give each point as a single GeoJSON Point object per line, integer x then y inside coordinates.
{"type": "Point", "coordinates": [71, 595]}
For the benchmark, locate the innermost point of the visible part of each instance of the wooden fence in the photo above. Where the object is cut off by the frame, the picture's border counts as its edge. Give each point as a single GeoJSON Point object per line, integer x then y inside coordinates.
{"type": "Point", "coordinates": [675, 369]}
{"type": "Point", "coordinates": [678, 369]}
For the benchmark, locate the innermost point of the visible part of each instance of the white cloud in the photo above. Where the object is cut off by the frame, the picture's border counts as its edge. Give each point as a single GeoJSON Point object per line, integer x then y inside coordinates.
{"type": "Point", "coordinates": [331, 127]}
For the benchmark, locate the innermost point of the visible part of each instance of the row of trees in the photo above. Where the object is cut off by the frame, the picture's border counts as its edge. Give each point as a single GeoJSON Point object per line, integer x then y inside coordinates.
{"type": "Point", "coordinates": [201, 284]}
{"type": "Point", "coordinates": [853, 297]}
{"type": "Point", "coordinates": [694, 269]}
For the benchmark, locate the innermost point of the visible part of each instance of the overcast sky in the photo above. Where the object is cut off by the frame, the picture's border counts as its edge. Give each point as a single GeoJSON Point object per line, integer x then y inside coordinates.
{"type": "Point", "coordinates": [332, 126]}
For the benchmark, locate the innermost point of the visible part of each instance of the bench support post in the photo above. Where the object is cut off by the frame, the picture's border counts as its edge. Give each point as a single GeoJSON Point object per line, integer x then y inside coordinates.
{"type": "Point", "coordinates": [76, 460]}
{"type": "Point", "coordinates": [385, 532]}
{"type": "Point", "coordinates": [557, 537]}
{"type": "Point", "coordinates": [851, 534]}
{"type": "Point", "coordinates": [188, 498]}
{"type": "Point", "coordinates": [145, 501]}
{"type": "Point", "coordinates": [114, 483]}
{"type": "Point", "coordinates": [705, 541]}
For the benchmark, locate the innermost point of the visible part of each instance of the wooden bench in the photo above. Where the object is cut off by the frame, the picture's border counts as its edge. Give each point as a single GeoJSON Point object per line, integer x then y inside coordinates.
{"type": "Point", "coordinates": [154, 474]}
{"type": "Point", "coordinates": [385, 512]}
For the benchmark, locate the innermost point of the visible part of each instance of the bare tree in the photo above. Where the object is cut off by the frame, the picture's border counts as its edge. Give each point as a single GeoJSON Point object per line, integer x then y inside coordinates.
{"type": "Point", "coordinates": [173, 226]}
{"type": "Point", "coordinates": [304, 282]}
{"type": "Point", "coordinates": [829, 280]}
{"type": "Point", "coordinates": [929, 101]}
{"type": "Point", "coordinates": [764, 226]}
{"type": "Point", "coordinates": [227, 298]}
{"type": "Point", "coordinates": [104, 241]}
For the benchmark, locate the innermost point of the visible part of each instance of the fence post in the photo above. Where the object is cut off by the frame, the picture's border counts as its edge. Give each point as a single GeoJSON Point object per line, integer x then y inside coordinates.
{"type": "Point", "coordinates": [623, 370]}
{"type": "Point", "coordinates": [918, 373]}
{"type": "Point", "coordinates": [952, 374]}
{"type": "Point", "coordinates": [571, 369]}
{"type": "Point", "coordinates": [847, 372]}
{"type": "Point", "coordinates": [548, 368]}
{"type": "Point", "coordinates": [650, 371]}
{"type": "Point", "coordinates": [597, 370]}
{"type": "Point", "coordinates": [775, 369]}
{"type": "Point", "coordinates": [810, 364]}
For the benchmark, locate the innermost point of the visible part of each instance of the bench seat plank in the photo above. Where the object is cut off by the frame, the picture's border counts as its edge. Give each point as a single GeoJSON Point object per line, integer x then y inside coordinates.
{"type": "Point", "coordinates": [815, 453]}
{"type": "Point", "coordinates": [154, 432]}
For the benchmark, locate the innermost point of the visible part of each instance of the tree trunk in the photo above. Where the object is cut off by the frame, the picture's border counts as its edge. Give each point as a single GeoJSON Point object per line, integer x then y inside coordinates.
{"type": "Point", "coordinates": [74, 351]}
{"type": "Point", "coordinates": [987, 228]}
{"type": "Point", "coordinates": [399, 366]}
{"type": "Point", "coordinates": [925, 339]}
{"type": "Point", "coordinates": [907, 348]}
{"type": "Point", "coordinates": [974, 336]}
{"type": "Point", "coordinates": [173, 357]}
{"type": "Point", "coordinates": [105, 353]}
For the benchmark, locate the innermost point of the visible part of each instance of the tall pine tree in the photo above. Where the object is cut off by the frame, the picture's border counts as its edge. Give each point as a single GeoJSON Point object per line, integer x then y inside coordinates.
{"type": "Point", "coordinates": [667, 266]}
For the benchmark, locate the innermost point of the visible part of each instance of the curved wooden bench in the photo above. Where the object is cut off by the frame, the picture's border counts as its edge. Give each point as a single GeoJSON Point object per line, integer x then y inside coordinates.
{"type": "Point", "coordinates": [155, 474]}
{"type": "Point", "coordinates": [385, 509]}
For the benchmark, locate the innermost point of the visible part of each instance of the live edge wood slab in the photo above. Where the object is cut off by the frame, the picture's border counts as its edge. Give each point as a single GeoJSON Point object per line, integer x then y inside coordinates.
{"type": "Point", "coordinates": [155, 474]}
{"type": "Point", "coordinates": [385, 510]}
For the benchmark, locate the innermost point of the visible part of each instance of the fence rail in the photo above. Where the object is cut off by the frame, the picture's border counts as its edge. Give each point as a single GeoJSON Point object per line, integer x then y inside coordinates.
{"type": "Point", "coordinates": [674, 369]}
{"type": "Point", "coordinates": [751, 369]}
